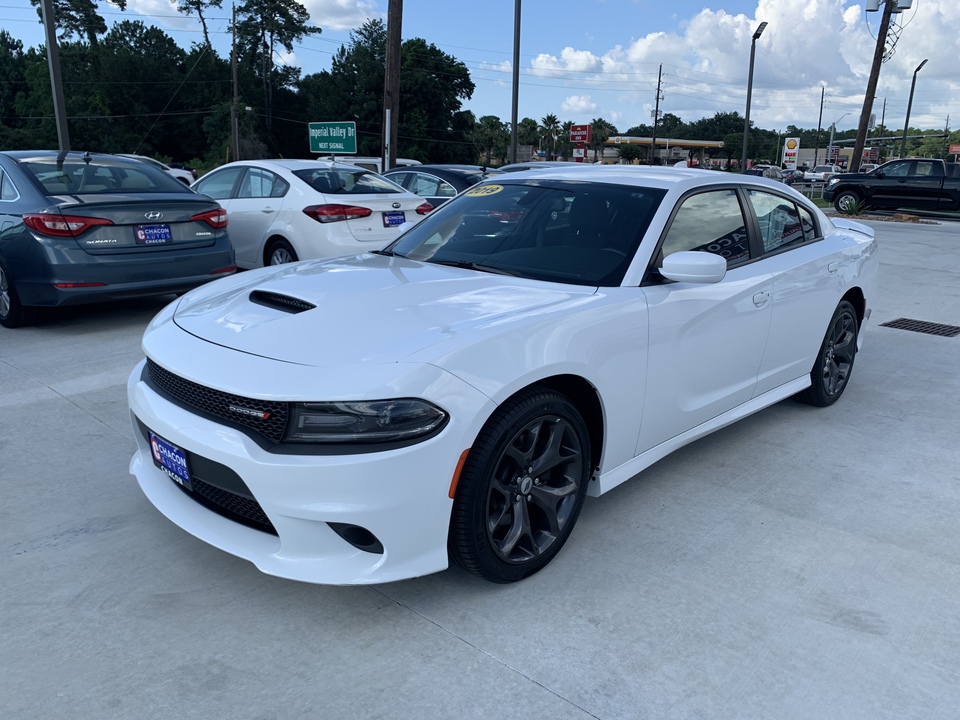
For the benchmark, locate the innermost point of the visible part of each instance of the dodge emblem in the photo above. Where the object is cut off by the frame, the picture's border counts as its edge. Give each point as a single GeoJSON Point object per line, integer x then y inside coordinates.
{"type": "Point", "coordinates": [153, 215]}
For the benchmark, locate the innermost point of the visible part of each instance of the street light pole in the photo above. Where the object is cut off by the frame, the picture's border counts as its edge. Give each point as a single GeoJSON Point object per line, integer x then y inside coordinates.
{"type": "Point", "coordinates": [516, 81]}
{"type": "Point", "coordinates": [746, 120]}
{"type": "Point", "coordinates": [833, 127]}
{"type": "Point", "coordinates": [906, 123]}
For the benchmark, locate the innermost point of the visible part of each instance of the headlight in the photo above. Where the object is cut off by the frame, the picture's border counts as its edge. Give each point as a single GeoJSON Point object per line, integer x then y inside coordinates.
{"type": "Point", "coordinates": [368, 421]}
{"type": "Point", "coordinates": [834, 181]}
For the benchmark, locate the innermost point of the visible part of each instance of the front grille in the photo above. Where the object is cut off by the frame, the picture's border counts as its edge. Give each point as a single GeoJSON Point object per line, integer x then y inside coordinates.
{"type": "Point", "coordinates": [246, 511]}
{"type": "Point", "coordinates": [922, 326]}
{"type": "Point", "coordinates": [219, 404]}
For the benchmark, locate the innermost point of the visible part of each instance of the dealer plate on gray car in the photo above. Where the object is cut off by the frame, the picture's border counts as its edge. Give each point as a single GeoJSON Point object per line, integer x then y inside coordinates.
{"type": "Point", "coordinates": [171, 459]}
{"type": "Point", "coordinates": [392, 219]}
{"type": "Point", "coordinates": [153, 234]}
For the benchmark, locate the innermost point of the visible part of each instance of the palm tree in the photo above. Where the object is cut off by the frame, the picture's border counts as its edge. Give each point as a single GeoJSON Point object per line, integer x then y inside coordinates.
{"type": "Point", "coordinates": [550, 130]}
{"type": "Point", "coordinates": [564, 146]}
{"type": "Point", "coordinates": [599, 134]}
{"type": "Point", "coordinates": [492, 135]}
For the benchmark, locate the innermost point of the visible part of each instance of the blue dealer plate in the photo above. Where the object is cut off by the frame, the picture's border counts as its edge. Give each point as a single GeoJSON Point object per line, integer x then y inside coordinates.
{"type": "Point", "coordinates": [153, 234]}
{"type": "Point", "coordinates": [392, 219]}
{"type": "Point", "coordinates": [171, 459]}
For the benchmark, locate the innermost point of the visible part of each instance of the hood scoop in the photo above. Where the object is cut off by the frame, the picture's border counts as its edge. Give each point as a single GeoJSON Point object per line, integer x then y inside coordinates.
{"type": "Point", "coordinates": [284, 303]}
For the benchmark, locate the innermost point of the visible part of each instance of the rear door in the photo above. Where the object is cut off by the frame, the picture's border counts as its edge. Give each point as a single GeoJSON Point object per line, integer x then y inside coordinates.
{"type": "Point", "coordinates": [252, 210]}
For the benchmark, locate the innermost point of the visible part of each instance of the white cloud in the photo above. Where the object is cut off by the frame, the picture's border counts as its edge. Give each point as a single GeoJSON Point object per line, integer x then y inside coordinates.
{"type": "Point", "coordinates": [578, 104]}
{"type": "Point", "coordinates": [341, 14]}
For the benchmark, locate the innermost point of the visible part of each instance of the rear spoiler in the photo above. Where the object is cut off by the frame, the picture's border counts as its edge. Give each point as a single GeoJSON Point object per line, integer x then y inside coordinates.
{"type": "Point", "coordinates": [845, 224]}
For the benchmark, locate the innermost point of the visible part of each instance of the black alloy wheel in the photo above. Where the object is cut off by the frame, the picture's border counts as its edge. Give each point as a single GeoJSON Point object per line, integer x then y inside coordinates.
{"type": "Point", "coordinates": [522, 487]}
{"type": "Point", "coordinates": [831, 373]}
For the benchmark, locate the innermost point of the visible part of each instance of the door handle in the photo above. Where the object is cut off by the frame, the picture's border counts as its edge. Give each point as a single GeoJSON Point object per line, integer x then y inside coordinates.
{"type": "Point", "coordinates": [833, 267]}
{"type": "Point", "coordinates": [760, 299]}
{"type": "Point", "coordinates": [266, 210]}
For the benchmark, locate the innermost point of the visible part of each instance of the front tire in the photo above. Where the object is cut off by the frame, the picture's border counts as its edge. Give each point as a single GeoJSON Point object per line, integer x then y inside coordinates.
{"type": "Point", "coordinates": [846, 202]}
{"type": "Point", "coordinates": [522, 487]}
{"type": "Point", "coordinates": [13, 313]}
{"type": "Point", "coordinates": [831, 372]}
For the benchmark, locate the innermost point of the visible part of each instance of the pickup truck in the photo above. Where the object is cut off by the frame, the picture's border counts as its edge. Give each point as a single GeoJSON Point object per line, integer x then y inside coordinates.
{"type": "Point", "coordinates": [915, 183]}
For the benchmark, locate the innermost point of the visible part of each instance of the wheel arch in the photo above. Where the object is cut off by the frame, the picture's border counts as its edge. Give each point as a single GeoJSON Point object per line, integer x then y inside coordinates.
{"type": "Point", "coordinates": [585, 397]}
{"type": "Point", "coordinates": [272, 239]}
{"type": "Point", "coordinates": [856, 298]}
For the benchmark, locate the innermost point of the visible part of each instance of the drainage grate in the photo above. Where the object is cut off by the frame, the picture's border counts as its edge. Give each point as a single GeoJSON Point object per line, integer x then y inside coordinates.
{"type": "Point", "coordinates": [921, 326]}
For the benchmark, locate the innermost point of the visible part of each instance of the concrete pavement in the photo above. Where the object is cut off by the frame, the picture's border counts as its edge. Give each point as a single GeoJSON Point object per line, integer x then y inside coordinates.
{"type": "Point", "coordinates": [802, 563]}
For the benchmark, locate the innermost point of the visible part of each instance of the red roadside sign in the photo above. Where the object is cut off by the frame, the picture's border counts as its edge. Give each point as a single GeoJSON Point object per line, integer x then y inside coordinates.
{"type": "Point", "coordinates": [580, 133]}
{"type": "Point", "coordinates": [954, 150]}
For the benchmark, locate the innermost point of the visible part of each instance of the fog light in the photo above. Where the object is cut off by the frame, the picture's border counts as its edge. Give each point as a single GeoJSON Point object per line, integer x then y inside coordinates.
{"type": "Point", "coordinates": [360, 538]}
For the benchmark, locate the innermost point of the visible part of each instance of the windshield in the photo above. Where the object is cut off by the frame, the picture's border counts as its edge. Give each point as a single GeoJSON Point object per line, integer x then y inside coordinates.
{"type": "Point", "coordinates": [101, 175]}
{"type": "Point", "coordinates": [570, 232]}
{"type": "Point", "coordinates": [343, 181]}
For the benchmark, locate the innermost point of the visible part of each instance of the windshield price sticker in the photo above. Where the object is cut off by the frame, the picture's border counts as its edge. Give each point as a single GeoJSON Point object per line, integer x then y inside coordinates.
{"type": "Point", "coordinates": [484, 190]}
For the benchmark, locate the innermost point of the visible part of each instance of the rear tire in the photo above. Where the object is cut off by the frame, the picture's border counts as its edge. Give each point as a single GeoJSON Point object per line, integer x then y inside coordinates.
{"type": "Point", "coordinates": [13, 313]}
{"type": "Point", "coordinates": [522, 487]}
{"type": "Point", "coordinates": [280, 252]}
{"type": "Point", "coordinates": [831, 372]}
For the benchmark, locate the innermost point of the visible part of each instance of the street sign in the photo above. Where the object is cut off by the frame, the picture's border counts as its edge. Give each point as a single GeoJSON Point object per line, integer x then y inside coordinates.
{"type": "Point", "coordinates": [954, 149]}
{"type": "Point", "coordinates": [333, 137]}
{"type": "Point", "coordinates": [580, 133]}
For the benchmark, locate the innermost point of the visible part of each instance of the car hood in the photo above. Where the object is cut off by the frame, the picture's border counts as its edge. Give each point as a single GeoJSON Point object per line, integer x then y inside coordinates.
{"type": "Point", "coordinates": [366, 308]}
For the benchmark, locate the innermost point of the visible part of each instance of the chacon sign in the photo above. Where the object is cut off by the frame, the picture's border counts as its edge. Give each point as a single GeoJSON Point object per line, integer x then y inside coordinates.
{"type": "Point", "coordinates": [333, 137]}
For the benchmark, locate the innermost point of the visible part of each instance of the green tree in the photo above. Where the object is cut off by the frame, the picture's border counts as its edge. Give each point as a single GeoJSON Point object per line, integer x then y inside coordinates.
{"type": "Point", "coordinates": [550, 130]}
{"type": "Point", "coordinates": [528, 132]}
{"type": "Point", "coordinates": [263, 25]}
{"type": "Point", "coordinates": [600, 132]}
{"type": "Point", "coordinates": [493, 137]}
{"type": "Point", "coordinates": [198, 8]}
{"type": "Point", "coordinates": [628, 153]}
{"type": "Point", "coordinates": [79, 17]}
{"type": "Point", "coordinates": [564, 146]}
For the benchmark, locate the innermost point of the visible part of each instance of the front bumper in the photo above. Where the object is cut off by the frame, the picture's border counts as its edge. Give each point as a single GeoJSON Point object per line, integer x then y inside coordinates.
{"type": "Point", "coordinates": [400, 496]}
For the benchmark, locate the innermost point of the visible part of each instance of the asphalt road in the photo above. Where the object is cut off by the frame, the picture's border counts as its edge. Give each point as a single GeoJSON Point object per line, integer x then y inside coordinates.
{"type": "Point", "coordinates": [802, 563]}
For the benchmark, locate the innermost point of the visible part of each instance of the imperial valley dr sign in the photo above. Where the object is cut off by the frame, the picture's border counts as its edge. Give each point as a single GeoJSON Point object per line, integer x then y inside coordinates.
{"type": "Point", "coordinates": [333, 137]}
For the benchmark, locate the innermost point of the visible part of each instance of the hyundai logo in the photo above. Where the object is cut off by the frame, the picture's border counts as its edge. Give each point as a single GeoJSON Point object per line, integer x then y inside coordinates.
{"type": "Point", "coordinates": [153, 215]}
{"type": "Point", "coordinates": [396, 206]}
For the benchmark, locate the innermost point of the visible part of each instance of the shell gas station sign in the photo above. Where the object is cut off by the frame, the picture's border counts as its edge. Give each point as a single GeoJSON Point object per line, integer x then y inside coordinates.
{"type": "Point", "coordinates": [790, 149]}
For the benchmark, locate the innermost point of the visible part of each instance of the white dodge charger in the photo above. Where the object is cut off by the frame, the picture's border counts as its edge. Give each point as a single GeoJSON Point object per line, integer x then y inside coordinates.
{"type": "Point", "coordinates": [457, 394]}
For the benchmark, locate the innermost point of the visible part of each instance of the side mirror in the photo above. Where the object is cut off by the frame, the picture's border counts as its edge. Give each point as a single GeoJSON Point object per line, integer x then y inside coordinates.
{"type": "Point", "coordinates": [876, 173]}
{"type": "Point", "coordinates": [694, 266]}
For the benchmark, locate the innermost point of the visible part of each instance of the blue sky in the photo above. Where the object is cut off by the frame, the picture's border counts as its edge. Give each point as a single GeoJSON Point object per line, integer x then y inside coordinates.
{"type": "Point", "coordinates": [599, 58]}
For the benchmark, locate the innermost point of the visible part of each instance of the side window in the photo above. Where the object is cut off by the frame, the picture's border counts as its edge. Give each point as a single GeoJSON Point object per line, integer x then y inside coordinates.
{"type": "Point", "coordinates": [7, 190]}
{"type": "Point", "coordinates": [925, 168]}
{"type": "Point", "coordinates": [426, 185]}
{"type": "Point", "coordinates": [402, 179]}
{"type": "Point", "coordinates": [259, 183]}
{"type": "Point", "coordinates": [779, 221]}
{"type": "Point", "coordinates": [218, 185]}
{"type": "Point", "coordinates": [446, 189]}
{"type": "Point", "coordinates": [808, 224]}
{"type": "Point", "coordinates": [897, 169]}
{"type": "Point", "coordinates": [709, 222]}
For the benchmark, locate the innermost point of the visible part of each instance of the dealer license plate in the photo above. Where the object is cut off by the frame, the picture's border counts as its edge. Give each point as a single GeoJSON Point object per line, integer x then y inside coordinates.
{"type": "Point", "coordinates": [392, 219]}
{"type": "Point", "coordinates": [171, 459]}
{"type": "Point", "coordinates": [153, 234]}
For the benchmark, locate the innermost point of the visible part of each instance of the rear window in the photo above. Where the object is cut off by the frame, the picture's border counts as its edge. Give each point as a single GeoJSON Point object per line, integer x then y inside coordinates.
{"type": "Point", "coordinates": [99, 175]}
{"type": "Point", "coordinates": [341, 181]}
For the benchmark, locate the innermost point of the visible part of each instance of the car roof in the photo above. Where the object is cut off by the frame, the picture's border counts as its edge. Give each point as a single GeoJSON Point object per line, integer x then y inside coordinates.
{"type": "Point", "coordinates": [296, 164]}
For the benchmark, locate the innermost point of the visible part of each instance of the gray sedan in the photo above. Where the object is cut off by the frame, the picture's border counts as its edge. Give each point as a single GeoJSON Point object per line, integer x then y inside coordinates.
{"type": "Point", "coordinates": [79, 228]}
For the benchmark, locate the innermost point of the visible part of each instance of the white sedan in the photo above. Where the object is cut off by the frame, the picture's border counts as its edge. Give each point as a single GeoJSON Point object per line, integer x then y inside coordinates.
{"type": "Point", "coordinates": [281, 211]}
{"type": "Point", "coordinates": [455, 396]}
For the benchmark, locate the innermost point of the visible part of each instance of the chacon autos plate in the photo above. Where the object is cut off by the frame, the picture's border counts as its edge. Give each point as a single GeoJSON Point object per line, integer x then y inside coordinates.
{"type": "Point", "coordinates": [171, 459]}
{"type": "Point", "coordinates": [153, 234]}
{"type": "Point", "coordinates": [392, 219]}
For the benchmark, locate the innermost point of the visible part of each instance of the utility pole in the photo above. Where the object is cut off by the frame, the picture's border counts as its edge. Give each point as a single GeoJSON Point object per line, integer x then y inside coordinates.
{"type": "Point", "coordinates": [656, 118]}
{"type": "Point", "coordinates": [516, 81]}
{"type": "Point", "coordinates": [56, 80]}
{"type": "Point", "coordinates": [888, 8]}
{"type": "Point", "coordinates": [816, 149]}
{"type": "Point", "coordinates": [391, 85]}
{"type": "Point", "coordinates": [234, 119]}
